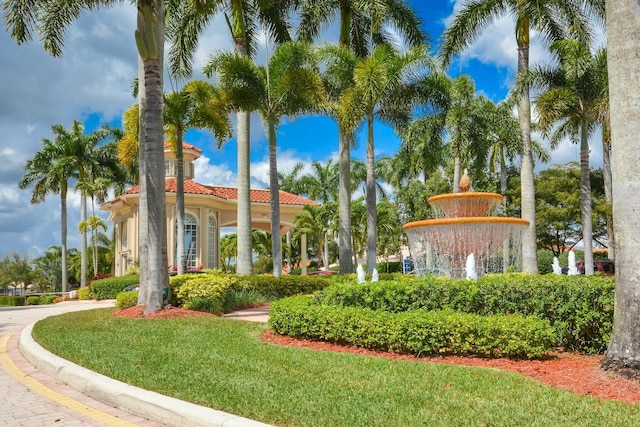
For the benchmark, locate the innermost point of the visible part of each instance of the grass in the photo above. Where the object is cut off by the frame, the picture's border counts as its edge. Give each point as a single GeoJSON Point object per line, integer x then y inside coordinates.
{"type": "Point", "coordinates": [223, 364]}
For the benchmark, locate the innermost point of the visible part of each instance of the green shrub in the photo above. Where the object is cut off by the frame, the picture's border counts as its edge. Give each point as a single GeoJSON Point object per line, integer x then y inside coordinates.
{"type": "Point", "coordinates": [209, 305]}
{"type": "Point", "coordinates": [389, 267]}
{"type": "Point", "coordinates": [417, 332]}
{"type": "Point", "coordinates": [126, 299]}
{"type": "Point", "coordinates": [580, 308]}
{"type": "Point", "coordinates": [85, 293]}
{"type": "Point", "coordinates": [12, 300]}
{"type": "Point", "coordinates": [109, 288]}
{"type": "Point", "coordinates": [237, 299]}
{"type": "Point", "coordinates": [33, 300]}
{"type": "Point", "coordinates": [47, 299]}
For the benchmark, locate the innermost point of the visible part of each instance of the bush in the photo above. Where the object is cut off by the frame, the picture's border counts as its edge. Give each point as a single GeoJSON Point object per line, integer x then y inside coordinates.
{"type": "Point", "coordinates": [109, 288]}
{"type": "Point", "coordinates": [12, 301]}
{"type": "Point", "coordinates": [579, 308]}
{"type": "Point", "coordinates": [209, 305]}
{"type": "Point", "coordinates": [417, 332]}
{"type": "Point", "coordinates": [33, 300]}
{"type": "Point", "coordinates": [389, 267]}
{"type": "Point", "coordinates": [126, 299]}
{"type": "Point", "coordinates": [85, 293]}
{"type": "Point", "coordinates": [47, 299]}
{"type": "Point", "coordinates": [237, 299]}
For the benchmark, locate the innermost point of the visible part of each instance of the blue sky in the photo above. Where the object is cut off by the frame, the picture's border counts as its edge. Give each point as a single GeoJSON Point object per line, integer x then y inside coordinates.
{"type": "Point", "coordinates": [91, 83]}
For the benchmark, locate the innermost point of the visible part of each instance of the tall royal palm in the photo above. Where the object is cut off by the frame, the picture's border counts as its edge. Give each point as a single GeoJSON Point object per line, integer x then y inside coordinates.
{"type": "Point", "coordinates": [49, 171]}
{"type": "Point", "coordinates": [551, 19]}
{"type": "Point", "coordinates": [385, 84]}
{"type": "Point", "coordinates": [242, 16]}
{"type": "Point", "coordinates": [623, 51]}
{"type": "Point", "coordinates": [288, 85]}
{"type": "Point", "coordinates": [363, 24]}
{"type": "Point", "coordinates": [567, 107]}
{"type": "Point", "coordinates": [50, 19]}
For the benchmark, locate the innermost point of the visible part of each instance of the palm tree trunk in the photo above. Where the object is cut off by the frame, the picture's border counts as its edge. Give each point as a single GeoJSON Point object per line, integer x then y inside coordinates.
{"type": "Point", "coordinates": [180, 244]}
{"type": "Point", "coordinates": [606, 167]}
{"type": "Point", "coordinates": [372, 218]}
{"type": "Point", "coordinates": [94, 237]}
{"type": "Point", "coordinates": [63, 236]}
{"type": "Point", "coordinates": [344, 209]}
{"type": "Point", "coordinates": [289, 253]}
{"type": "Point", "coordinates": [456, 174]}
{"type": "Point", "coordinates": [325, 254]}
{"type": "Point", "coordinates": [527, 188]}
{"type": "Point", "coordinates": [244, 262]}
{"type": "Point", "coordinates": [623, 48]}
{"type": "Point", "coordinates": [83, 241]}
{"type": "Point", "coordinates": [151, 29]}
{"type": "Point", "coordinates": [274, 201]}
{"type": "Point", "coordinates": [506, 245]}
{"type": "Point", "coordinates": [585, 200]}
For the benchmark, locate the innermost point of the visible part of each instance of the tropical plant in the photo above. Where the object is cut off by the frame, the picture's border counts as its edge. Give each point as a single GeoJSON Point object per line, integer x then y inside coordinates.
{"type": "Point", "coordinates": [384, 86]}
{"type": "Point", "coordinates": [94, 223]}
{"type": "Point", "coordinates": [185, 25]}
{"type": "Point", "coordinates": [287, 86]}
{"type": "Point", "coordinates": [552, 20]}
{"type": "Point", "coordinates": [567, 109]}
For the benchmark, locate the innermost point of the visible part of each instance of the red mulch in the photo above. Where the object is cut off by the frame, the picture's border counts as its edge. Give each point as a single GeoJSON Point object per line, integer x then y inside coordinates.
{"type": "Point", "coordinates": [576, 372]}
{"type": "Point", "coordinates": [166, 312]}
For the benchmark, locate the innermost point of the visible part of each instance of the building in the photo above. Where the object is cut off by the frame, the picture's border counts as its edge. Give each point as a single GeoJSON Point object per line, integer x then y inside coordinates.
{"type": "Point", "coordinates": [207, 209]}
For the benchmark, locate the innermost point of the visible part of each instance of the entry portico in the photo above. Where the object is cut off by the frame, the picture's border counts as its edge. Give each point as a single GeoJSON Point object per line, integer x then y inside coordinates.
{"type": "Point", "coordinates": [207, 209]}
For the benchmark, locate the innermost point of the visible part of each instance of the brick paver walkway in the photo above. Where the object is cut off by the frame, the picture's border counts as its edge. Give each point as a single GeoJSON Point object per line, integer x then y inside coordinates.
{"type": "Point", "coordinates": [31, 398]}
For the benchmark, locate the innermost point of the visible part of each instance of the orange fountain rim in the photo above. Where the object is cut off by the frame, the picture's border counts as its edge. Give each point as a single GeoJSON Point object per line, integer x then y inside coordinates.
{"type": "Point", "coordinates": [467, 220]}
{"type": "Point", "coordinates": [465, 196]}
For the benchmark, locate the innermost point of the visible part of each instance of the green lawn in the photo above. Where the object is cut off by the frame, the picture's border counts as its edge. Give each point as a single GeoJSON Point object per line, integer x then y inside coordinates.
{"type": "Point", "coordinates": [223, 364]}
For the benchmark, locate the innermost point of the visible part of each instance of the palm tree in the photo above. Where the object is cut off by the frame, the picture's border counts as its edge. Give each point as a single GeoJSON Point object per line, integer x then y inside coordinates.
{"type": "Point", "coordinates": [186, 24]}
{"type": "Point", "coordinates": [384, 86]}
{"type": "Point", "coordinates": [549, 18]}
{"type": "Point", "coordinates": [568, 107]}
{"type": "Point", "coordinates": [50, 19]}
{"type": "Point", "coordinates": [287, 86]}
{"type": "Point", "coordinates": [623, 354]}
{"type": "Point", "coordinates": [197, 106]}
{"type": "Point", "coordinates": [49, 171]}
{"type": "Point", "coordinates": [362, 25]}
{"type": "Point", "coordinates": [94, 223]}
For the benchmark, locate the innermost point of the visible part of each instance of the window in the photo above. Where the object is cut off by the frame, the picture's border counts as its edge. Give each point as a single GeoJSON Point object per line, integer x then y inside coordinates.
{"type": "Point", "coordinates": [190, 241]}
{"type": "Point", "coordinates": [211, 243]}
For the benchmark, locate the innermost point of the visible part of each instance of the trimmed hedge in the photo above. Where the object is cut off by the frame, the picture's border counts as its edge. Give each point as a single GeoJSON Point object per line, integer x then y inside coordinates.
{"type": "Point", "coordinates": [109, 288]}
{"type": "Point", "coordinates": [12, 301]}
{"type": "Point", "coordinates": [126, 299]}
{"type": "Point", "coordinates": [212, 289]}
{"type": "Point", "coordinates": [417, 332]}
{"type": "Point", "coordinates": [579, 308]}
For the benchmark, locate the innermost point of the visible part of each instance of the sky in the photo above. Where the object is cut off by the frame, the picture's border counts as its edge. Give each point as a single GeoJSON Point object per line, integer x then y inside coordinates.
{"type": "Point", "coordinates": [91, 82]}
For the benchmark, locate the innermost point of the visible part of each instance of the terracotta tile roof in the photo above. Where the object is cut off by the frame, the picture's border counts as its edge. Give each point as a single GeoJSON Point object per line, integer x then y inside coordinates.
{"type": "Point", "coordinates": [227, 193]}
{"type": "Point", "coordinates": [185, 146]}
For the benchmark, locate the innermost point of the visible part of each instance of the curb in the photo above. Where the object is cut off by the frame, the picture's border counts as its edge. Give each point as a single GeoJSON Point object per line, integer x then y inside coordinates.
{"type": "Point", "coordinates": [137, 401]}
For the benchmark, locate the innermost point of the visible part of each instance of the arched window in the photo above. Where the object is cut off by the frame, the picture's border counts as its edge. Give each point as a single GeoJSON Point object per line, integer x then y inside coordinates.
{"type": "Point", "coordinates": [190, 241]}
{"type": "Point", "coordinates": [211, 243]}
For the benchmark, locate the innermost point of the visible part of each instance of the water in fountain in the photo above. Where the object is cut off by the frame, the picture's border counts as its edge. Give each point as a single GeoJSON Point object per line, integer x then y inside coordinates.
{"type": "Point", "coordinates": [442, 245]}
{"type": "Point", "coordinates": [573, 268]}
{"type": "Point", "coordinates": [556, 266]}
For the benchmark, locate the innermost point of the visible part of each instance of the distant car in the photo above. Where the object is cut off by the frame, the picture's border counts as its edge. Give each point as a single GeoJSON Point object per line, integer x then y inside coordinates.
{"type": "Point", "coordinates": [606, 267]}
{"type": "Point", "coordinates": [131, 288]}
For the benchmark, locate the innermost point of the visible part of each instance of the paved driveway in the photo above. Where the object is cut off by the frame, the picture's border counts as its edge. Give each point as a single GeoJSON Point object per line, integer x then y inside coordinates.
{"type": "Point", "coordinates": [32, 398]}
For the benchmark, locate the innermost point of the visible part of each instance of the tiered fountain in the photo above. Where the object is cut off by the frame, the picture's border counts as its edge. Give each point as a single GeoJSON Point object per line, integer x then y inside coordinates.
{"type": "Point", "coordinates": [464, 226]}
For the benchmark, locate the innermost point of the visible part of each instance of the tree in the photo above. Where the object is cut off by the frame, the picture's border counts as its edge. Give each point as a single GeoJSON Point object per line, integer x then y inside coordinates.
{"type": "Point", "coordinates": [94, 223]}
{"type": "Point", "coordinates": [384, 87]}
{"type": "Point", "coordinates": [288, 85]}
{"type": "Point", "coordinates": [362, 25]}
{"type": "Point", "coordinates": [567, 108]}
{"type": "Point", "coordinates": [623, 50]}
{"type": "Point", "coordinates": [242, 16]}
{"type": "Point", "coordinates": [15, 270]}
{"type": "Point", "coordinates": [549, 18]}
{"type": "Point", "coordinates": [49, 171]}
{"type": "Point", "coordinates": [197, 106]}
{"type": "Point", "coordinates": [47, 271]}
{"type": "Point", "coordinates": [50, 19]}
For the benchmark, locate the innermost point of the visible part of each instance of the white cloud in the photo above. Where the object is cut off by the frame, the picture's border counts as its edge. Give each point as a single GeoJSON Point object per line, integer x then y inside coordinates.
{"type": "Point", "coordinates": [210, 174]}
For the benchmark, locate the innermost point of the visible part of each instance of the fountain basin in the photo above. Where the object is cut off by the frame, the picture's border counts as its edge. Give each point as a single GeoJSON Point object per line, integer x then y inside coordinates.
{"type": "Point", "coordinates": [465, 204]}
{"type": "Point", "coordinates": [455, 238]}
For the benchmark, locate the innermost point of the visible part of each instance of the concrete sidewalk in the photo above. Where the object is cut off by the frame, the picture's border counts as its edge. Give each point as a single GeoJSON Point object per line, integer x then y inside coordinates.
{"type": "Point", "coordinates": [46, 390]}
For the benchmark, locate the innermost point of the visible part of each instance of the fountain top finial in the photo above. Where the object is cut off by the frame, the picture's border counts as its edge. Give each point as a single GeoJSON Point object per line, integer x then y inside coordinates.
{"type": "Point", "coordinates": [465, 183]}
